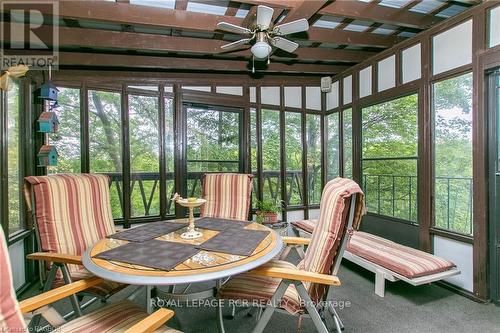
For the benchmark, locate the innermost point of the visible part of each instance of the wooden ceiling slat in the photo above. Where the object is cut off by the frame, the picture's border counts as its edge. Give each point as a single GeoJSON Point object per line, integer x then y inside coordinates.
{"type": "Point", "coordinates": [364, 11]}
{"type": "Point", "coordinates": [105, 39]}
{"type": "Point", "coordinates": [184, 20]}
{"type": "Point", "coordinates": [175, 63]}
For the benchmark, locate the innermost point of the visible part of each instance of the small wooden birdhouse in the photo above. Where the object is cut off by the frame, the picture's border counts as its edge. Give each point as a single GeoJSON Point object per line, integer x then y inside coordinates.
{"type": "Point", "coordinates": [48, 91]}
{"type": "Point", "coordinates": [47, 156]}
{"type": "Point", "coordinates": [48, 122]}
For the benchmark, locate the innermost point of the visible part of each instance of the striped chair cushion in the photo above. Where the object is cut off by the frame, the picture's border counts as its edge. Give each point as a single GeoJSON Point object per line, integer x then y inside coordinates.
{"type": "Point", "coordinates": [260, 289]}
{"type": "Point", "coordinates": [113, 318]}
{"type": "Point", "coordinates": [72, 211]}
{"type": "Point", "coordinates": [10, 316]}
{"type": "Point", "coordinates": [398, 258]}
{"type": "Point", "coordinates": [305, 225]}
{"type": "Point", "coordinates": [329, 231]}
{"type": "Point", "coordinates": [227, 195]}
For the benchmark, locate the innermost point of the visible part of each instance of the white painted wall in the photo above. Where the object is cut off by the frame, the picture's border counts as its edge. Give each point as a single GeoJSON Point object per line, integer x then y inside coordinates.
{"type": "Point", "coordinates": [16, 254]}
{"type": "Point", "coordinates": [459, 253]}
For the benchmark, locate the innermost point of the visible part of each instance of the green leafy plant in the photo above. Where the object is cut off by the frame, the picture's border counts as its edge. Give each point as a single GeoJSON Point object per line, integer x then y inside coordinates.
{"type": "Point", "coordinates": [269, 206]}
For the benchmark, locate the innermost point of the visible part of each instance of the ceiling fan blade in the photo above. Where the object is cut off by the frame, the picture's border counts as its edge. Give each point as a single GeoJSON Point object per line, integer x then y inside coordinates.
{"type": "Point", "coordinates": [291, 27]}
{"type": "Point", "coordinates": [264, 17]}
{"type": "Point", "coordinates": [233, 28]}
{"type": "Point", "coordinates": [235, 45]}
{"type": "Point", "coordinates": [284, 44]}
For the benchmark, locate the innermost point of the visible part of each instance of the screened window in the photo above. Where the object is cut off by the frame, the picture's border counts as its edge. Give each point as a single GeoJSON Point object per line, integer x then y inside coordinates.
{"type": "Point", "coordinates": [389, 157]}
{"type": "Point", "coordinates": [169, 151]}
{"type": "Point", "coordinates": [347, 142]}
{"type": "Point", "coordinates": [253, 154]}
{"type": "Point", "coordinates": [271, 154]}
{"type": "Point", "coordinates": [293, 151]}
{"type": "Point", "coordinates": [313, 132]}
{"type": "Point", "coordinates": [105, 142]}
{"type": "Point", "coordinates": [67, 138]}
{"type": "Point", "coordinates": [453, 154]}
{"type": "Point", "coordinates": [13, 160]}
{"type": "Point", "coordinates": [333, 145]}
{"type": "Point", "coordinates": [144, 155]}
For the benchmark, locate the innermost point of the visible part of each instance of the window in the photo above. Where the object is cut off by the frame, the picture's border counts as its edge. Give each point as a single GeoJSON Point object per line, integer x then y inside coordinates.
{"type": "Point", "coordinates": [13, 160]}
{"type": "Point", "coordinates": [293, 153]}
{"type": "Point", "coordinates": [271, 154]}
{"type": "Point", "coordinates": [144, 141]}
{"type": "Point", "coordinates": [169, 152]}
{"type": "Point", "coordinates": [253, 155]}
{"type": "Point", "coordinates": [313, 141]}
{"type": "Point", "coordinates": [347, 142]}
{"type": "Point", "coordinates": [389, 158]}
{"type": "Point", "coordinates": [332, 153]}
{"type": "Point", "coordinates": [67, 138]}
{"type": "Point", "coordinates": [105, 142]}
{"type": "Point", "coordinates": [453, 154]}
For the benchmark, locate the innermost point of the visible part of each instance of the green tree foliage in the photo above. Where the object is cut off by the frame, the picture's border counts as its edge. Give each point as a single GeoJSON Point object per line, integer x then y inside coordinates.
{"type": "Point", "coordinates": [13, 157]}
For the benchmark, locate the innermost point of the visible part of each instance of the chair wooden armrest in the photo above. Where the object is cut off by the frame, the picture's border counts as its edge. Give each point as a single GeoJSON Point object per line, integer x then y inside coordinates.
{"type": "Point", "coordinates": [53, 295]}
{"type": "Point", "coordinates": [295, 274]}
{"type": "Point", "coordinates": [60, 258]}
{"type": "Point", "coordinates": [295, 240]}
{"type": "Point", "coordinates": [152, 322]}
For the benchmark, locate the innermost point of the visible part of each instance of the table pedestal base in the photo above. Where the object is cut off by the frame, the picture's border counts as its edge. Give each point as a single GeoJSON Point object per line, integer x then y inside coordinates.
{"type": "Point", "coordinates": [191, 234]}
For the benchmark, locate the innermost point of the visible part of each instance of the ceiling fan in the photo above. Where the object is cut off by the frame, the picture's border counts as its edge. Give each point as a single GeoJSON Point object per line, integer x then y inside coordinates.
{"type": "Point", "coordinates": [263, 35]}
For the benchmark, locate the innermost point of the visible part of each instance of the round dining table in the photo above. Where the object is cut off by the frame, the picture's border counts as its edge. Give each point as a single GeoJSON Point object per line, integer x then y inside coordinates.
{"type": "Point", "coordinates": [203, 266]}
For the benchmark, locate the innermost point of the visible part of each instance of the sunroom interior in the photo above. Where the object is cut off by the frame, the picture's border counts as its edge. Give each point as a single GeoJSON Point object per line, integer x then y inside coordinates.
{"type": "Point", "coordinates": [399, 98]}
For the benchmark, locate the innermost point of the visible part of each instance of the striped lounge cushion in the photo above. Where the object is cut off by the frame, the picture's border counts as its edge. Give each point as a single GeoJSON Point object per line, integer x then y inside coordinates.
{"type": "Point", "coordinates": [72, 211]}
{"type": "Point", "coordinates": [113, 318]}
{"type": "Point", "coordinates": [305, 225]}
{"type": "Point", "coordinates": [10, 316]}
{"type": "Point", "coordinates": [398, 258]}
{"type": "Point", "coordinates": [259, 289]}
{"type": "Point", "coordinates": [227, 195]}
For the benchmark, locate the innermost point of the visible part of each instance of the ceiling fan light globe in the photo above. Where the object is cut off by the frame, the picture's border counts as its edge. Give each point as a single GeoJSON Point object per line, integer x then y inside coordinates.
{"type": "Point", "coordinates": [261, 50]}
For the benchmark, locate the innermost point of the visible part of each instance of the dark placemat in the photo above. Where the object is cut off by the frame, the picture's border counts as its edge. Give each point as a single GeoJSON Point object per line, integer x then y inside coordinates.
{"type": "Point", "coordinates": [219, 224]}
{"type": "Point", "coordinates": [235, 241]}
{"type": "Point", "coordinates": [147, 231]}
{"type": "Point", "coordinates": [153, 253]}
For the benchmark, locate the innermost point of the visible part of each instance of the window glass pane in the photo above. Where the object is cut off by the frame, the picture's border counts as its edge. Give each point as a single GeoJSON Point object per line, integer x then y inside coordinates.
{"type": "Point", "coordinates": [332, 128]}
{"type": "Point", "coordinates": [67, 138]}
{"type": "Point", "coordinates": [105, 142]}
{"type": "Point", "coordinates": [253, 154]}
{"type": "Point", "coordinates": [144, 155]}
{"type": "Point", "coordinates": [212, 144]}
{"type": "Point", "coordinates": [347, 144]}
{"type": "Point", "coordinates": [313, 132]}
{"type": "Point", "coordinates": [453, 154]}
{"type": "Point", "coordinates": [293, 151]}
{"type": "Point", "coordinates": [389, 157]}
{"type": "Point", "coordinates": [13, 159]}
{"type": "Point", "coordinates": [169, 152]}
{"type": "Point", "coordinates": [270, 154]}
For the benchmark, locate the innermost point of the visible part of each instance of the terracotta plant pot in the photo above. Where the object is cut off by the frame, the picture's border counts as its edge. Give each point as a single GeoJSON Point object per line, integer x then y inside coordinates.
{"type": "Point", "coordinates": [268, 217]}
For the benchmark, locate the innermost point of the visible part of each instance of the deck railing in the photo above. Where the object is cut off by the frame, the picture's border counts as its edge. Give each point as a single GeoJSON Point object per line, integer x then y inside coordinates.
{"type": "Point", "coordinates": [389, 195]}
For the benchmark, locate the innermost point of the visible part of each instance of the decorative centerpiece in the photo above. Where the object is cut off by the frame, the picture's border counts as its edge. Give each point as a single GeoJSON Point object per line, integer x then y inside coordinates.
{"type": "Point", "coordinates": [189, 203]}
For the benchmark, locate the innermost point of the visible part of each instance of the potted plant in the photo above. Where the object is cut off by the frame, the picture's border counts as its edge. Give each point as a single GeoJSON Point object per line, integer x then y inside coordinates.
{"type": "Point", "coordinates": [267, 211]}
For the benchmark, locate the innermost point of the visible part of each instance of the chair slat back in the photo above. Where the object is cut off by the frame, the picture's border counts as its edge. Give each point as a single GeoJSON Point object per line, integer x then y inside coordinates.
{"type": "Point", "coordinates": [227, 194]}
{"type": "Point", "coordinates": [72, 211]}
{"type": "Point", "coordinates": [341, 208]}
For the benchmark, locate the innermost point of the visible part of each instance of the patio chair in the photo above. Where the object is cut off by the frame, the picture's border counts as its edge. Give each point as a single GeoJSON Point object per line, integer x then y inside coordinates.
{"type": "Point", "coordinates": [70, 212]}
{"type": "Point", "coordinates": [123, 316]}
{"type": "Point", "coordinates": [301, 290]}
{"type": "Point", "coordinates": [227, 194]}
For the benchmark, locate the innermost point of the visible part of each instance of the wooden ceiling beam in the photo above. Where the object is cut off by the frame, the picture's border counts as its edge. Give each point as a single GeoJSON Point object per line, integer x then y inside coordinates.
{"type": "Point", "coordinates": [364, 11]}
{"type": "Point", "coordinates": [203, 64]}
{"type": "Point", "coordinates": [306, 9]}
{"type": "Point", "coordinates": [184, 20]}
{"type": "Point", "coordinates": [105, 39]}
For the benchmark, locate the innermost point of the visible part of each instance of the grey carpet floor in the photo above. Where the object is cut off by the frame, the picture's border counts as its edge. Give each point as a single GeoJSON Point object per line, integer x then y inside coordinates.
{"type": "Point", "coordinates": [428, 308]}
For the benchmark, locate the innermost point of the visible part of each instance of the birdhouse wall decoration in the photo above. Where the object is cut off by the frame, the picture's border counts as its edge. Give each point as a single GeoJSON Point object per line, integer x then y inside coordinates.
{"type": "Point", "coordinates": [48, 122]}
{"type": "Point", "coordinates": [48, 91]}
{"type": "Point", "coordinates": [47, 156]}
